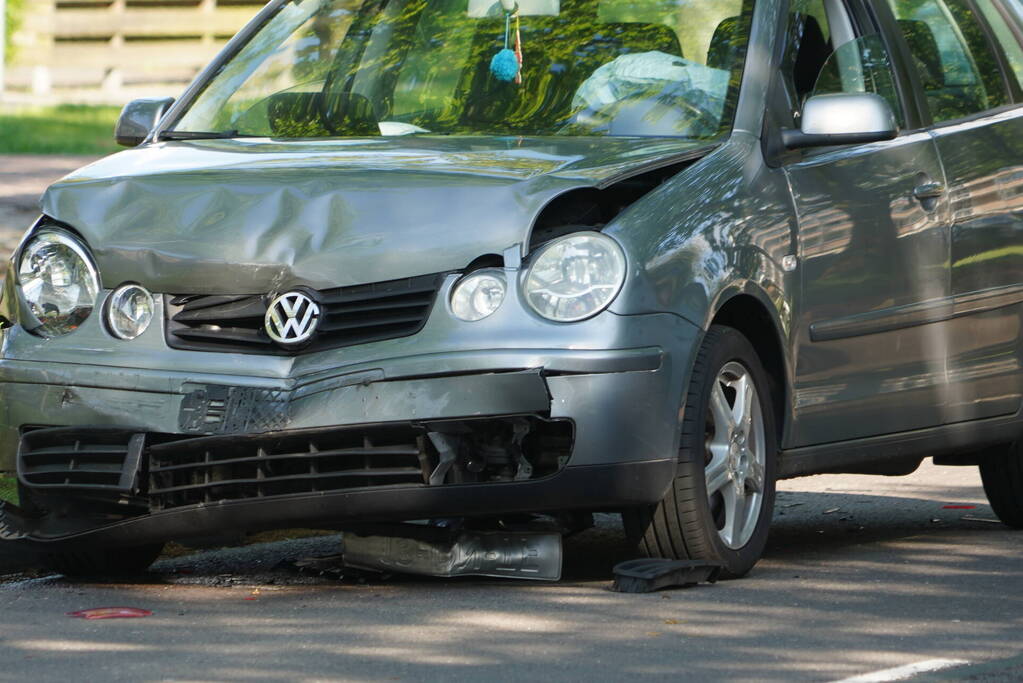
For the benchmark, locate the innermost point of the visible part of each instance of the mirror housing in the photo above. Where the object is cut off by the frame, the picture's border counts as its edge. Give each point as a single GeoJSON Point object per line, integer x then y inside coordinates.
{"type": "Point", "coordinates": [139, 118]}
{"type": "Point", "coordinates": [842, 119]}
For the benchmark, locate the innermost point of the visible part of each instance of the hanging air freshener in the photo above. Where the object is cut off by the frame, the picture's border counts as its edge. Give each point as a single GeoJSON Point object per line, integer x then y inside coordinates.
{"type": "Point", "coordinates": [505, 65]}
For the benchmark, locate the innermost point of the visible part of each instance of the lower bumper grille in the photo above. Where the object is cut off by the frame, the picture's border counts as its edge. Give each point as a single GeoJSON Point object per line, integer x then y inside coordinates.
{"type": "Point", "coordinates": [104, 466]}
{"type": "Point", "coordinates": [210, 469]}
{"type": "Point", "coordinates": [84, 459]}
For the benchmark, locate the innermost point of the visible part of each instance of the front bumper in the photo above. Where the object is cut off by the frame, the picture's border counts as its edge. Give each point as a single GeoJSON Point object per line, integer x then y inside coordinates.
{"type": "Point", "coordinates": [622, 404]}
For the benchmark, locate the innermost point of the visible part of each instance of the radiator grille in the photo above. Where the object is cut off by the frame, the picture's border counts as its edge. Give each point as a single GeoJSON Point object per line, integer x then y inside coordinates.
{"type": "Point", "coordinates": [351, 315]}
{"type": "Point", "coordinates": [211, 469]}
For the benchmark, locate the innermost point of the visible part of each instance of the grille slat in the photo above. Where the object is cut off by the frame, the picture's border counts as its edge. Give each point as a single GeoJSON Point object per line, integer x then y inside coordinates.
{"type": "Point", "coordinates": [248, 308]}
{"type": "Point", "coordinates": [221, 334]}
{"type": "Point", "coordinates": [336, 453]}
{"type": "Point", "coordinates": [355, 324]}
{"type": "Point", "coordinates": [403, 473]}
{"type": "Point", "coordinates": [350, 315]}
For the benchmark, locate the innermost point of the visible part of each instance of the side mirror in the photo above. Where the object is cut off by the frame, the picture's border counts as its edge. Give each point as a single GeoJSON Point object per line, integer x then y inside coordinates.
{"type": "Point", "coordinates": [842, 119]}
{"type": "Point", "coordinates": [139, 118]}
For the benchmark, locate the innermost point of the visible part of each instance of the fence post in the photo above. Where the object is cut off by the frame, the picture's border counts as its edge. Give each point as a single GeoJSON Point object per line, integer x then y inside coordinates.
{"type": "Point", "coordinates": [3, 46]}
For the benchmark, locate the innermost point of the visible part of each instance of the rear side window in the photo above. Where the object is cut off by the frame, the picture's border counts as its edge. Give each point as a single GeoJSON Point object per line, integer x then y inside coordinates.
{"type": "Point", "coordinates": [1006, 38]}
{"type": "Point", "coordinates": [957, 66]}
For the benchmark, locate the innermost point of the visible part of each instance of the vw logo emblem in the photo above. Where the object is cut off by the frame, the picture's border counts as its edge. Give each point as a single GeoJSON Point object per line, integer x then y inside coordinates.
{"type": "Point", "coordinates": [292, 318]}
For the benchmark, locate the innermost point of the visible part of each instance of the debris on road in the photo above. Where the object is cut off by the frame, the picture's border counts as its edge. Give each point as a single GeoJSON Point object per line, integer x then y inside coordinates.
{"type": "Point", "coordinates": [650, 574]}
{"type": "Point", "coordinates": [111, 613]}
{"type": "Point", "coordinates": [448, 552]}
{"type": "Point", "coordinates": [958, 507]}
{"type": "Point", "coordinates": [971, 518]}
{"type": "Point", "coordinates": [831, 511]}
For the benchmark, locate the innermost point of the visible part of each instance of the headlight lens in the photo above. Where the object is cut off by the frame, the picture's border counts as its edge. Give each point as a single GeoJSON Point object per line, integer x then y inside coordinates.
{"type": "Point", "coordinates": [129, 311]}
{"type": "Point", "coordinates": [478, 294]}
{"type": "Point", "coordinates": [575, 277]}
{"type": "Point", "coordinates": [58, 281]}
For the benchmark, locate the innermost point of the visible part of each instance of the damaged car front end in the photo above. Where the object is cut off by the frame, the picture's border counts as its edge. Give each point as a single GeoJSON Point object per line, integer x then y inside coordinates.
{"type": "Point", "coordinates": [325, 318]}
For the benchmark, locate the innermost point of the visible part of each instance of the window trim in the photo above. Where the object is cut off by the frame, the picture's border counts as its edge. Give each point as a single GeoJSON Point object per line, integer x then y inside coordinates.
{"type": "Point", "coordinates": [1012, 82]}
{"type": "Point", "coordinates": [926, 117]}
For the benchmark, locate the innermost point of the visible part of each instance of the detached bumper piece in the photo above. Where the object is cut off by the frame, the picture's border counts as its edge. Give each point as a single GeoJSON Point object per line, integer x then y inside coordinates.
{"type": "Point", "coordinates": [431, 551]}
{"type": "Point", "coordinates": [650, 574]}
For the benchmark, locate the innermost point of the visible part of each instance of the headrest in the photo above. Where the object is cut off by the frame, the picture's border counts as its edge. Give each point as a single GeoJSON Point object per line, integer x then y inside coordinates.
{"type": "Point", "coordinates": [924, 47]}
{"type": "Point", "coordinates": [726, 45]}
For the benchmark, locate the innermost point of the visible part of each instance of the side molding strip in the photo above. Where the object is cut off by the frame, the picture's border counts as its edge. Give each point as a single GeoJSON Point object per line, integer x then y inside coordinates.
{"type": "Point", "coordinates": [911, 315]}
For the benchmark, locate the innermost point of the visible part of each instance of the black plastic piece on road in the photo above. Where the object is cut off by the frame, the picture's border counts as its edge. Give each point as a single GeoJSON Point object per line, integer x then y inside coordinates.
{"type": "Point", "coordinates": [650, 574]}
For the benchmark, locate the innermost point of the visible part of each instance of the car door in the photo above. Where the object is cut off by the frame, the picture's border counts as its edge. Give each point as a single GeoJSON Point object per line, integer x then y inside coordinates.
{"type": "Point", "coordinates": [873, 244]}
{"type": "Point", "coordinates": [979, 134]}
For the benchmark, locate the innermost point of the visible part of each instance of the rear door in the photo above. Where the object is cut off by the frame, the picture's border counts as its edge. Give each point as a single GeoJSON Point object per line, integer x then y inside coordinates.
{"type": "Point", "coordinates": [964, 63]}
{"type": "Point", "coordinates": [873, 253]}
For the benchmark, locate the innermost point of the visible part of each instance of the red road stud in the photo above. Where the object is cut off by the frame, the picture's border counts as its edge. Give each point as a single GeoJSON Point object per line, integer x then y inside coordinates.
{"type": "Point", "coordinates": [111, 613]}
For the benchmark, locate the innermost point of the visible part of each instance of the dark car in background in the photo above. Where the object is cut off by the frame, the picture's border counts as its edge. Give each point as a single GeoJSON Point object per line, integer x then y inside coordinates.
{"type": "Point", "coordinates": [396, 260]}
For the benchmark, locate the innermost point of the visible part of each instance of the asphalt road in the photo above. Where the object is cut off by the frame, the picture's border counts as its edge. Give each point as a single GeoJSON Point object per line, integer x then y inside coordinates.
{"type": "Point", "coordinates": [862, 574]}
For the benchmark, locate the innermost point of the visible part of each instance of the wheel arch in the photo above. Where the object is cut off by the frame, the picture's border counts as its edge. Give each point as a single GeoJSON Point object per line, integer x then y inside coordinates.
{"type": "Point", "coordinates": [748, 310]}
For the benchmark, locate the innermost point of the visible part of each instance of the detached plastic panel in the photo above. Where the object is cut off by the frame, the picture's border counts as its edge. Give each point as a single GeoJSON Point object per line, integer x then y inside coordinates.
{"type": "Point", "coordinates": [648, 575]}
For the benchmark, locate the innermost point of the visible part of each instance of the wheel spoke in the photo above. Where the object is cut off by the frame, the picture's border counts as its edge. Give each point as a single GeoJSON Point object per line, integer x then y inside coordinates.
{"type": "Point", "coordinates": [723, 420]}
{"type": "Point", "coordinates": [742, 411]}
{"type": "Point", "coordinates": [717, 475]}
{"type": "Point", "coordinates": [755, 476]}
{"type": "Point", "coordinates": [735, 521]}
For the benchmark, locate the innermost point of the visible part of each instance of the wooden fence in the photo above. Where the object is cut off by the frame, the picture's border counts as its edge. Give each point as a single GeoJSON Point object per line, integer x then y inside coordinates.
{"type": "Point", "coordinates": [114, 50]}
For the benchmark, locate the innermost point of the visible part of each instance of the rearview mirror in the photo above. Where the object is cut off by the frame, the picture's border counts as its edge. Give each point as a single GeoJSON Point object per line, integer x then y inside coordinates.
{"type": "Point", "coordinates": [139, 118]}
{"type": "Point", "coordinates": [842, 119]}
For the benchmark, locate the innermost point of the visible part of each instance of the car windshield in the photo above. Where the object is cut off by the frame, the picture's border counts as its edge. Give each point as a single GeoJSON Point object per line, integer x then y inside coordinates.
{"type": "Point", "coordinates": [333, 68]}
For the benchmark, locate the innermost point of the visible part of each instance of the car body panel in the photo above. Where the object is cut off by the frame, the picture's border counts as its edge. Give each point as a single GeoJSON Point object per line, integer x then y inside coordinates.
{"type": "Point", "coordinates": [871, 255]}
{"type": "Point", "coordinates": [258, 216]}
{"type": "Point", "coordinates": [983, 162]}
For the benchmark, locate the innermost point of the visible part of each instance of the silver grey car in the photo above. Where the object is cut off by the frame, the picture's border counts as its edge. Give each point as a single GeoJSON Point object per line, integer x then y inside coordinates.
{"type": "Point", "coordinates": [392, 260]}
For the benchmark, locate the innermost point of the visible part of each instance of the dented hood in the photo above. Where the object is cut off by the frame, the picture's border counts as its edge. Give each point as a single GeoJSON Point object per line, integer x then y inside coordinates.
{"type": "Point", "coordinates": [249, 216]}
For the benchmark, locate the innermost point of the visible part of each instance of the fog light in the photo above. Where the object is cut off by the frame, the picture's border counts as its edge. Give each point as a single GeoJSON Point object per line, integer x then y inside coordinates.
{"type": "Point", "coordinates": [478, 294]}
{"type": "Point", "coordinates": [129, 311]}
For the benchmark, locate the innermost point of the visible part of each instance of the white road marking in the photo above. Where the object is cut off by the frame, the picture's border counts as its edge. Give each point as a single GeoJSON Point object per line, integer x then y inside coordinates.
{"type": "Point", "coordinates": [901, 673]}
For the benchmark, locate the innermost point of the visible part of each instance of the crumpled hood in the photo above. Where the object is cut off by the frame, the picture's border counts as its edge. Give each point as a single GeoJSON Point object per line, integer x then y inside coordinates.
{"type": "Point", "coordinates": [250, 216]}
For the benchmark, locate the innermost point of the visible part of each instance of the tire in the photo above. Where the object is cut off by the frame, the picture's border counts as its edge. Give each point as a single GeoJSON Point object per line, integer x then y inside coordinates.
{"type": "Point", "coordinates": [1002, 474]}
{"type": "Point", "coordinates": [688, 523]}
{"type": "Point", "coordinates": [103, 562]}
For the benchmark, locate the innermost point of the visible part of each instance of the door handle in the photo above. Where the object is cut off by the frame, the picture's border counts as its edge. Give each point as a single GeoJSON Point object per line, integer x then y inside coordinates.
{"type": "Point", "coordinates": [928, 190]}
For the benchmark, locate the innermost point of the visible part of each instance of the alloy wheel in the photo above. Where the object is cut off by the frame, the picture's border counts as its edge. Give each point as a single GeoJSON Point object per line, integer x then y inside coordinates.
{"type": "Point", "coordinates": [735, 458]}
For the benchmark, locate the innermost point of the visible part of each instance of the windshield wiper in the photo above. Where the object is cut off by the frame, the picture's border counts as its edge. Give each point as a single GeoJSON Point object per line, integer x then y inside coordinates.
{"type": "Point", "coordinates": [197, 135]}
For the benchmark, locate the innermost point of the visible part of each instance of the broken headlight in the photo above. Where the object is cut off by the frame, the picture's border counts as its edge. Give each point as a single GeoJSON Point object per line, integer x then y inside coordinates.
{"type": "Point", "coordinates": [575, 277]}
{"type": "Point", "coordinates": [58, 282]}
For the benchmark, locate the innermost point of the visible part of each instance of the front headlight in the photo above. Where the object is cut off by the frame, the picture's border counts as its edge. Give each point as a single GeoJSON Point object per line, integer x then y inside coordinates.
{"type": "Point", "coordinates": [575, 277]}
{"type": "Point", "coordinates": [58, 282]}
{"type": "Point", "coordinates": [478, 294]}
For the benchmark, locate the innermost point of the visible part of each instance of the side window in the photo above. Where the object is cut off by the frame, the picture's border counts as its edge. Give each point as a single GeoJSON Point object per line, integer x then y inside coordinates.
{"type": "Point", "coordinates": [815, 65]}
{"type": "Point", "coordinates": [1005, 37]}
{"type": "Point", "coordinates": [861, 65]}
{"type": "Point", "coordinates": [808, 47]}
{"type": "Point", "coordinates": [957, 67]}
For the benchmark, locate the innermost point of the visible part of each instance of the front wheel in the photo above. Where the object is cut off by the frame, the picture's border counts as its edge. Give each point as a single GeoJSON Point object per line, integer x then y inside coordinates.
{"type": "Point", "coordinates": [719, 506]}
{"type": "Point", "coordinates": [1002, 474]}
